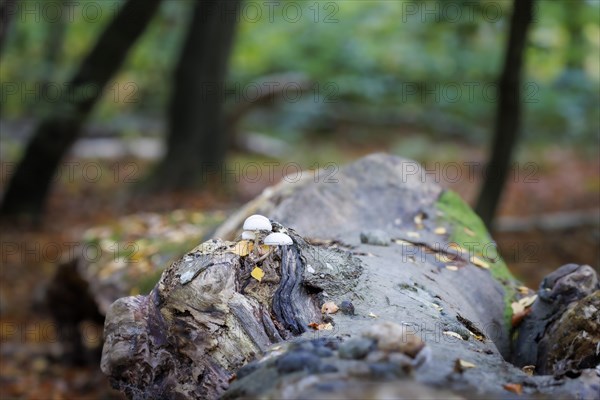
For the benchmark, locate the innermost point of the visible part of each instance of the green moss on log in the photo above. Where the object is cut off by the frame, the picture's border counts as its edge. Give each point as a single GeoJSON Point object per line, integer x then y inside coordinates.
{"type": "Point", "coordinates": [468, 231]}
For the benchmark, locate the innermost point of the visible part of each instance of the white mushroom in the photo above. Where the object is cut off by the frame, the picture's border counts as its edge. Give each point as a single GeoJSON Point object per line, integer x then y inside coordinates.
{"type": "Point", "coordinates": [255, 224]}
{"type": "Point", "coordinates": [277, 239]}
{"type": "Point", "coordinates": [248, 235]}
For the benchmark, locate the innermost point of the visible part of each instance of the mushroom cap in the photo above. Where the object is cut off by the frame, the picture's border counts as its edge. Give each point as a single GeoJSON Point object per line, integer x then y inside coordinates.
{"type": "Point", "coordinates": [257, 223]}
{"type": "Point", "coordinates": [248, 235]}
{"type": "Point", "coordinates": [277, 239]}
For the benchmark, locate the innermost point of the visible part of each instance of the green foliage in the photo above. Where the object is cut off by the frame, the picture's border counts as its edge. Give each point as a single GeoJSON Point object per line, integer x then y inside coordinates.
{"type": "Point", "coordinates": [426, 68]}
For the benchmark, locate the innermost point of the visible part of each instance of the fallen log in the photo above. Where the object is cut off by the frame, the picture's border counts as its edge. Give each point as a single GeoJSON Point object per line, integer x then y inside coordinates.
{"type": "Point", "coordinates": [120, 258]}
{"type": "Point", "coordinates": [391, 287]}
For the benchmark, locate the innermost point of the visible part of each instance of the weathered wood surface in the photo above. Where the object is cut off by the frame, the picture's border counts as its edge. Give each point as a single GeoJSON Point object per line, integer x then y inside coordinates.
{"type": "Point", "coordinates": [208, 316]}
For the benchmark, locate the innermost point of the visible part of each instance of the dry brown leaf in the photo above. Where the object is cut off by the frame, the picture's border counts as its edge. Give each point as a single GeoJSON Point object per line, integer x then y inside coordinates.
{"type": "Point", "coordinates": [527, 301]}
{"type": "Point", "coordinates": [479, 262]}
{"type": "Point", "coordinates": [402, 242]}
{"type": "Point", "coordinates": [514, 387]}
{"type": "Point", "coordinates": [242, 248]}
{"type": "Point", "coordinates": [457, 247]}
{"type": "Point", "coordinates": [529, 369]}
{"type": "Point", "coordinates": [442, 258]}
{"type": "Point", "coordinates": [465, 364]}
{"type": "Point", "coordinates": [418, 220]}
{"type": "Point", "coordinates": [262, 249]}
{"type": "Point", "coordinates": [462, 365]}
{"type": "Point", "coordinates": [518, 317]}
{"type": "Point", "coordinates": [453, 334]}
{"type": "Point", "coordinates": [257, 274]}
{"type": "Point", "coordinates": [329, 308]}
{"type": "Point", "coordinates": [320, 327]}
{"type": "Point", "coordinates": [516, 307]}
{"type": "Point", "coordinates": [523, 289]}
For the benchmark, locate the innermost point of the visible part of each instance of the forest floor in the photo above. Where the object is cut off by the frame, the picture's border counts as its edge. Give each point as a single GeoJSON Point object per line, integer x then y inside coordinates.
{"type": "Point", "coordinates": [560, 181]}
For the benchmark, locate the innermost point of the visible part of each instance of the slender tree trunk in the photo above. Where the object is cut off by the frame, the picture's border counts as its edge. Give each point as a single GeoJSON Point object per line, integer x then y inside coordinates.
{"type": "Point", "coordinates": [508, 114]}
{"type": "Point", "coordinates": [7, 11]}
{"type": "Point", "coordinates": [197, 139]}
{"type": "Point", "coordinates": [29, 186]}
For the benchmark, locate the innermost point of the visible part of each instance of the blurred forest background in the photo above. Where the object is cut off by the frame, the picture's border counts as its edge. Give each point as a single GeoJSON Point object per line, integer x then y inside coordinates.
{"type": "Point", "coordinates": [307, 84]}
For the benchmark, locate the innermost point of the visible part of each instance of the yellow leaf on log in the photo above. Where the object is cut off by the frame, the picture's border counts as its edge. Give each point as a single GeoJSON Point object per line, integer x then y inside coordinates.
{"type": "Point", "coordinates": [257, 273]}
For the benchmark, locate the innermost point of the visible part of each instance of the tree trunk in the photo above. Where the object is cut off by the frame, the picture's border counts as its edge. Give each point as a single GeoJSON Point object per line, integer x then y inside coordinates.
{"type": "Point", "coordinates": [7, 11]}
{"type": "Point", "coordinates": [197, 140]}
{"type": "Point", "coordinates": [29, 186]}
{"type": "Point", "coordinates": [418, 317]}
{"type": "Point", "coordinates": [508, 114]}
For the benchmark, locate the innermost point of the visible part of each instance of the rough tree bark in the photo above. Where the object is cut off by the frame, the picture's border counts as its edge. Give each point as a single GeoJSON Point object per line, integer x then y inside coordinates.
{"type": "Point", "coordinates": [377, 243]}
{"type": "Point", "coordinates": [508, 113]}
{"type": "Point", "coordinates": [28, 188]}
{"type": "Point", "coordinates": [197, 141]}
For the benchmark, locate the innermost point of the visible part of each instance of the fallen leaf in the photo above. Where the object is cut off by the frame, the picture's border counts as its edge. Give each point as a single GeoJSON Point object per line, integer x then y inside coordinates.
{"type": "Point", "coordinates": [373, 315]}
{"type": "Point", "coordinates": [452, 267]}
{"type": "Point", "coordinates": [479, 262]}
{"type": "Point", "coordinates": [516, 307]}
{"type": "Point", "coordinates": [523, 289]}
{"type": "Point", "coordinates": [320, 327]}
{"type": "Point", "coordinates": [418, 220]}
{"type": "Point", "coordinates": [462, 365]}
{"type": "Point", "coordinates": [453, 334]}
{"type": "Point", "coordinates": [457, 247]}
{"type": "Point", "coordinates": [518, 317]}
{"type": "Point", "coordinates": [529, 369]}
{"type": "Point", "coordinates": [528, 301]}
{"type": "Point", "coordinates": [329, 308]}
{"type": "Point", "coordinates": [477, 337]}
{"type": "Point", "coordinates": [514, 387]}
{"type": "Point", "coordinates": [440, 230]}
{"type": "Point", "coordinates": [442, 258]}
{"type": "Point", "coordinates": [402, 242]}
{"type": "Point", "coordinates": [242, 248]}
{"type": "Point", "coordinates": [465, 364]}
{"type": "Point", "coordinates": [257, 273]}
{"type": "Point", "coordinates": [469, 232]}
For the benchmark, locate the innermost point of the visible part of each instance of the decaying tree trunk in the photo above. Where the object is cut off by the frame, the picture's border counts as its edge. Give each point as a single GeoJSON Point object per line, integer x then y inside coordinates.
{"type": "Point", "coordinates": [424, 306]}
